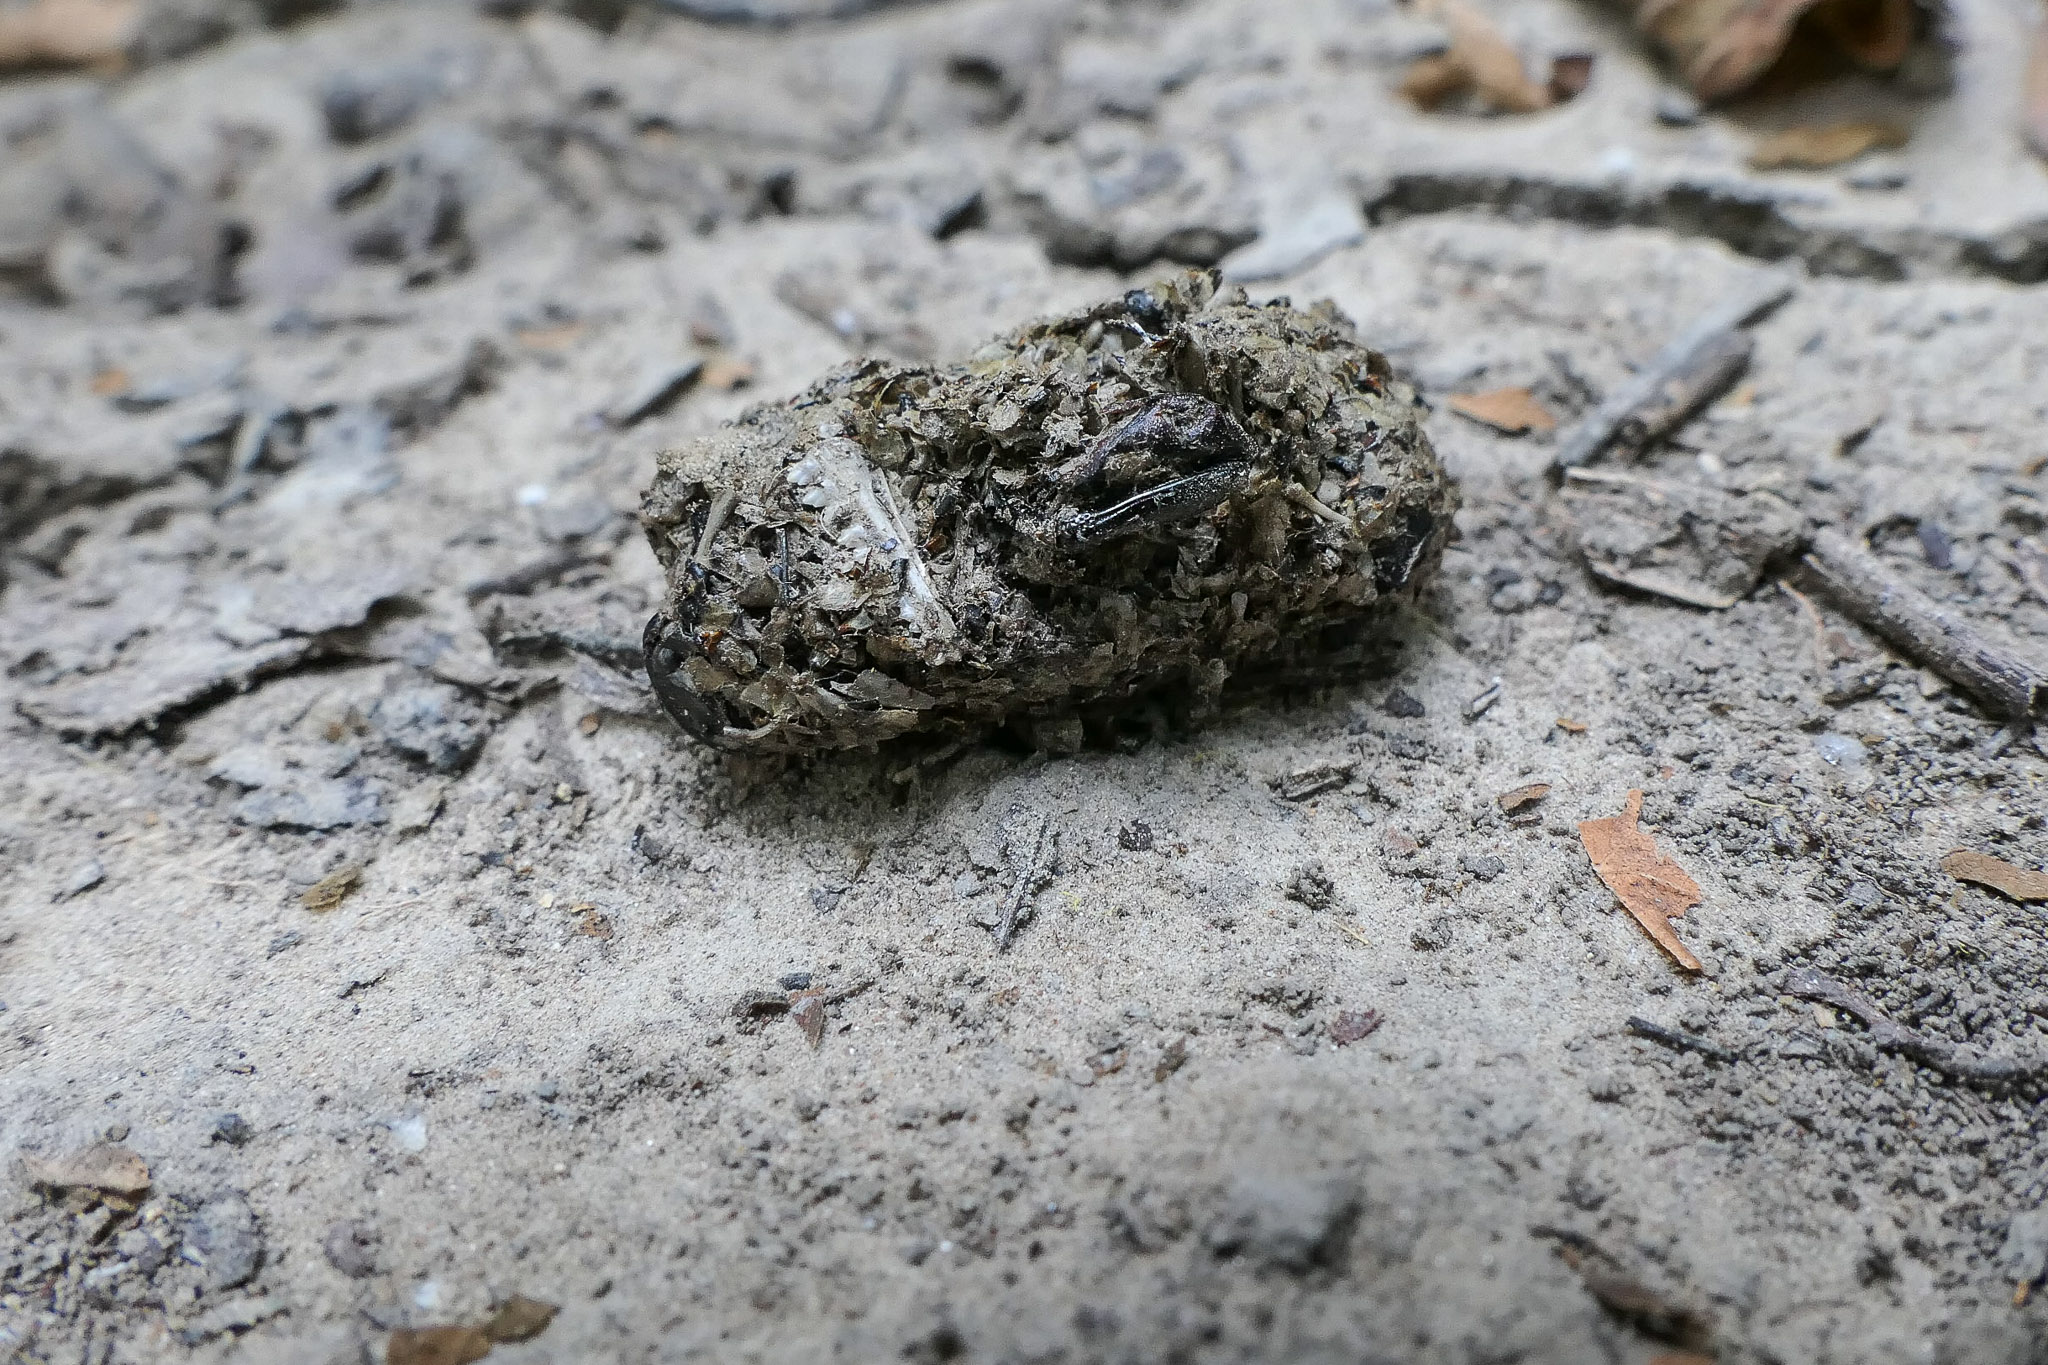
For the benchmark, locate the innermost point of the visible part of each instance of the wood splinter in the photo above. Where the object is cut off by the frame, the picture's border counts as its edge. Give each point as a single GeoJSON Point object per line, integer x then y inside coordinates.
{"type": "Point", "coordinates": [1695, 368]}
{"type": "Point", "coordinates": [2009, 682]}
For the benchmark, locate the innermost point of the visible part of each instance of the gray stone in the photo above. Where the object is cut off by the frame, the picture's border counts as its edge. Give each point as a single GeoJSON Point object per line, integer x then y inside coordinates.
{"type": "Point", "coordinates": [226, 1242]}
{"type": "Point", "coordinates": [1287, 1223]}
{"type": "Point", "coordinates": [431, 724]}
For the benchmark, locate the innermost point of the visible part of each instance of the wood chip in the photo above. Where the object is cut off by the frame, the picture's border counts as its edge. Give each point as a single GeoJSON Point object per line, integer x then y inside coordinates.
{"type": "Point", "coordinates": [1512, 411]}
{"type": "Point", "coordinates": [2034, 102]}
{"type": "Point", "coordinates": [1655, 889]}
{"type": "Point", "coordinates": [332, 889]}
{"type": "Point", "coordinates": [519, 1319]}
{"type": "Point", "coordinates": [2019, 883]}
{"type": "Point", "coordinates": [1570, 726]}
{"type": "Point", "coordinates": [436, 1346]}
{"type": "Point", "coordinates": [66, 33]}
{"type": "Point", "coordinates": [1480, 60]}
{"type": "Point", "coordinates": [1817, 148]}
{"type": "Point", "coordinates": [1512, 801]}
{"type": "Point", "coordinates": [726, 374]}
{"type": "Point", "coordinates": [106, 1167]}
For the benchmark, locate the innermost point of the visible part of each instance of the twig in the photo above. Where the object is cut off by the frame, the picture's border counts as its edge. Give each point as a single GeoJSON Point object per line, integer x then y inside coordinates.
{"type": "Point", "coordinates": [1022, 889]}
{"type": "Point", "coordinates": [1697, 366]}
{"type": "Point", "coordinates": [2013, 685]}
{"type": "Point", "coordinates": [1679, 1039]}
{"type": "Point", "coordinates": [1963, 1064]}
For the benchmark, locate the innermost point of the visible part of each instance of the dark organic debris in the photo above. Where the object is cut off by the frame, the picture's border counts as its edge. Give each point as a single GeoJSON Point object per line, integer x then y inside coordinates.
{"type": "Point", "coordinates": [1627, 1298]}
{"type": "Point", "coordinates": [1304, 783]}
{"type": "Point", "coordinates": [1679, 1040]}
{"type": "Point", "coordinates": [1122, 500]}
{"type": "Point", "coordinates": [1696, 366]}
{"type": "Point", "coordinates": [1959, 1063]}
{"type": "Point", "coordinates": [1028, 868]}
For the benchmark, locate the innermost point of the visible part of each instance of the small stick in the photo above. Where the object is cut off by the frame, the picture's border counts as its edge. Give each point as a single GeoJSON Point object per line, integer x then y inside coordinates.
{"type": "Point", "coordinates": [1963, 1064]}
{"type": "Point", "coordinates": [1022, 889]}
{"type": "Point", "coordinates": [2013, 685]}
{"type": "Point", "coordinates": [1695, 367]}
{"type": "Point", "coordinates": [1679, 1039]}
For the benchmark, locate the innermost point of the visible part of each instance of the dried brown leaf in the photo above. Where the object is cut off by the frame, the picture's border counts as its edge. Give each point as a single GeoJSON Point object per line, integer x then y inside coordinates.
{"type": "Point", "coordinates": [1570, 726]}
{"type": "Point", "coordinates": [1512, 801]}
{"type": "Point", "coordinates": [2019, 883]}
{"type": "Point", "coordinates": [104, 1166]}
{"type": "Point", "coordinates": [1722, 47]}
{"type": "Point", "coordinates": [519, 1319]}
{"type": "Point", "coordinates": [1655, 889]}
{"type": "Point", "coordinates": [66, 33]}
{"type": "Point", "coordinates": [1817, 148]}
{"type": "Point", "coordinates": [332, 889]}
{"type": "Point", "coordinates": [436, 1346]}
{"type": "Point", "coordinates": [1513, 411]}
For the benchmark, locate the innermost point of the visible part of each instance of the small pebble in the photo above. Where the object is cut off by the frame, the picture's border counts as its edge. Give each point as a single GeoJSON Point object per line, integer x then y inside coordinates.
{"type": "Point", "coordinates": [1676, 109]}
{"type": "Point", "coordinates": [796, 981]}
{"type": "Point", "coordinates": [232, 1129]}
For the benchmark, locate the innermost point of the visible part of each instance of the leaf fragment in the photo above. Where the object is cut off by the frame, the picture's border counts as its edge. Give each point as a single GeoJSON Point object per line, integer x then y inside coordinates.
{"type": "Point", "coordinates": [1520, 797]}
{"type": "Point", "coordinates": [436, 1346]}
{"type": "Point", "coordinates": [519, 1319]}
{"type": "Point", "coordinates": [2018, 883]}
{"type": "Point", "coordinates": [1654, 889]}
{"type": "Point", "coordinates": [1513, 412]}
{"type": "Point", "coordinates": [332, 889]}
{"type": "Point", "coordinates": [1815, 148]}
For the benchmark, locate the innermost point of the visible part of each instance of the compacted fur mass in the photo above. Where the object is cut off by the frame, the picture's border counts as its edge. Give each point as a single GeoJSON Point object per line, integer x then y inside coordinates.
{"type": "Point", "coordinates": [1154, 496]}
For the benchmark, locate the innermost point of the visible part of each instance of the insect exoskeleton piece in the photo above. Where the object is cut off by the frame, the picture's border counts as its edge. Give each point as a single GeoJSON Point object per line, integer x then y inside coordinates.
{"type": "Point", "coordinates": [1156, 498]}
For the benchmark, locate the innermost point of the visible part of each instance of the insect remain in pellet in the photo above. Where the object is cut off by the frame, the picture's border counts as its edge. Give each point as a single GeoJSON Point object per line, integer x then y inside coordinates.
{"type": "Point", "coordinates": [1155, 498]}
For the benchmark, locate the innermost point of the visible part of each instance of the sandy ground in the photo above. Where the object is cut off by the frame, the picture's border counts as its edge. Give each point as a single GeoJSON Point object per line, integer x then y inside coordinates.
{"type": "Point", "coordinates": [335, 359]}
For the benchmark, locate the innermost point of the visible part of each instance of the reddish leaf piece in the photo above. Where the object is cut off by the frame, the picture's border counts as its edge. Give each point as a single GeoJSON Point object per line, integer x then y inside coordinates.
{"type": "Point", "coordinates": [2020, 883]}
{"type": "Point", "coordinates": [1512, 801]}
{"type": "Point", "coordinates": [808, 1009]}
{"type": "Point", "coordinates": [1655, 889]}
{"type": "Point", "coordinates": [1351, 1025]}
